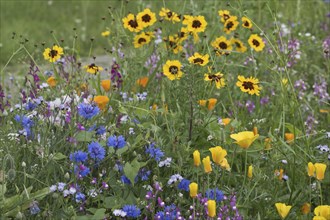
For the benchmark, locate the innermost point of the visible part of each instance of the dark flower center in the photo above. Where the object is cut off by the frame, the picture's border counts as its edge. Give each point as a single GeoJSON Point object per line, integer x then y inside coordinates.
{"type": "Point", "coordinates": [173, 44]}
{"type": "Point", "coordinates": [238, 45]}
{"type": "Point", "coordinates": [133, 23]}
{"type": "Point", "coordinates": [226, 17]}
{"type": "Point", "coordinates": [174, 70]}
{"type": "Point", "coordinates": [248, 85]}
{"type": "Point", "coordinates": [214, 77]}
{"type": "Point", "coordinates": [223, 45]}
{"type": "Point", "coordinates": [169, 14]}
{"type": "Point", "coordinates": [255, 42]}
{"type": "Point", "coordinates": [146, 18]}
{"type": "Point", "coordinates": [142, 40]}
{"type": "Point", "coordinates": [196, 24]}
{"type": "Point", "coordinates": [92, 66]}
{"type": "Point", "coordinates": [53, 53]}
{"type": "Point", "coordinates": [246, 24]}
{"type": "Point", "coordinates": [198, 60]}
{"type": "Point", "coordinates": [229, 25]}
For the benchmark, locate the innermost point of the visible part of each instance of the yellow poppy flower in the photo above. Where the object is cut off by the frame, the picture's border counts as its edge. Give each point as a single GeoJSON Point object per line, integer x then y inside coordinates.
{"type": "Point", "coordinates": [197, 158]}
{"type": "Point", "coordinates": [51, 81]}
{"type": "Point", "coordinates": [250, 171]}
{"type": "Point", "coordinates": [101, 101]}
{"type": "Point", "coordinates": [53, 54]}
{"type": "Point", "coordinates": [193, 189]}
{"type": "Point", "coordinates": [225, 121]}
{"type": "Point", "coordinates": [143, 81]}
{"type": "Point", "coordinates": [207, 164]}
{"type": "Point", "coordinates": [146, 18]}
{"type": "Point", "coordinates": [105, 33]}
{"type": "Point", "coordinates": [320, 170]}
{"type": "Point", "coordinates": [244, 139]}
{"type": "Point", "coordinates": [211, 104]}
{"type": "Point", "coordinates": [305, 208]}
{"type": "Point", "coordinates": [169, 15]}
{"type": "Point", "coordinates": [211, 208]}
{"type": "Point", "coordinates": [141, 39]}
{"type": "Point", "coordinates": [222, 46]}
{"type": "Point", "coordinates": [311, 169]}
{"type": "Point", "coordinates": [282, 209]}
{"type": "Point", "coordinates": [218, 154]}
{"type": "Point", "coordinates": [131, 23]}
{"type": "Point", "coordinates": [93, 69]}
{"type": "Point", "coordinates": [249, 85]}
{"type": "Point", "coordinates": [195, 24]}
{"type": "Point", "coordinates": [106, 84]}
{"type": "Point", "coordinates": [240, 47]}
{"type": "Point", "coordinates": [246, 23]}
{"type": "Point", "coordinates": [230, 24]}
{"type": "Point", "coordinates": [322, 211]}
{"type": "Point", "coordinates": [224, 164]}
{"type": "Point", "coordinates": [256, 42]}
{"type": "Point", "coordinates": [224, 14]}
{"type": "Point", "coordinates": [172, 69]}
{"type": "Point", "coordinates": [199, 59]}
{"type": "Point", "coordinates": [289, 137]}
{"type": "Point", "coordinates": [202, 102]}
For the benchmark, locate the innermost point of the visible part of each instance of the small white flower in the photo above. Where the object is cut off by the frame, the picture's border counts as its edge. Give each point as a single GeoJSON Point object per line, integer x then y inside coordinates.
{"type": "Point", "coordinates": [210, 137]}
{"type": "Point", "coordinates": [92, 193]}
{"type": "Point", "coordinates": [53, 188]}
{"type": "Point", "coordinates": [72, 190]}
{"type": "Point", "coordinates": [119, 212]}
{"type": "Point", "coordinates": [284, 161]}
{"type": "Point", "coordinates": [66, 193]}
{"type": "Point", "coordinates": [60, 186]}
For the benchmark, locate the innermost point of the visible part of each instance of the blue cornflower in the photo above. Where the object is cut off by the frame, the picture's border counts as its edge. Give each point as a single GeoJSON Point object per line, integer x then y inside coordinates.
{"type": "Point", "coordinates": [78, 156]}
{"type": "Point", "coordinates": [81, 170]}
{"type": "Point", "coordinates": [215, 194]}
{"type": "Point", "coordinates": [100, 130]}
{"type": "Point", "coordinates": [132, 211]}
{"type": "Point", "coordinates": [116, 142]}
{"type": "Point", "coordinates": [88, 111]}
{"type": "Point", "coordinates": [160, 215]}
{"type": "Point", "coordinates": [125, 180]}
{"type": "Point", "coordinates": [155, 153]}
{"type": "Point", "coordinates": [184, 185]}
{"type": "Point", "coordinates": [80, 197]}
{"type": "Point", "coordinates": [96, 151]}
{"type": "Point", "coordinates": [27, 124]}
{"type": "Point", "coordinates": [30, 106]}
{"type": "Point", "coordinates": [143, 174]}
{"type": "Point", "coordinates": [34, 208]}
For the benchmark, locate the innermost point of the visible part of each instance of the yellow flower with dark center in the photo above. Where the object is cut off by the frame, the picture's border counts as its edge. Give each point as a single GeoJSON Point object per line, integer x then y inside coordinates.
{"type": "Point", "coordinates": [106, 84]}
{"type": "Point", "coordinates": [250, 171]}
{"type": "Point", "coordinates": [224, 14]}
{"type": "Point", "coordinates": [207, 164]}
{"type": "Point", "coordinates": [222, 46]}
{"type": "Point", "coordinates": [173, 43]}
{"type": "Point", "coordinates": [195, 24]}
{"type": "Point", "coordinates": [218, 154]}
{"type": "Point", "coordinates": [183, 34]}
{"type": "Point", "coordinates": [51, 81]}
{"type": "Point", "coordinates": [211, 208]}
{"type": "Point", "coordinates": [143, 81]}
{"type": "Point", "coordinates": [131, 23]}
{"type": "Point", "coordinates": [240, 47]}
{"type": "Point", "coordinates": [279, 173]}
{"type": "Point", "coordinates": [199, 59]}
{"type": "Point", "coordinates": [146, 18]}
{"type": "Point", "coordinates": [141, 39]}
{"type": "Point", "coordinates": [230, 24]}
{"type": "Point", "coordinates": [320, 170]}
{"type": "Point", "coordinates": [193, 189]}
{"type": "Point", "coordinates": [322, 211]}
{"type": "Point", "coordinates": [216, 78]}
{"type": "Point", "coordinates": [256, 42]}
{"type": "Point", "coordinates": [53, 54]}
{"type": "Point", "coordinates": [283, 209]}
{"type": "Point", "coordinates": [105, 33]}
{"type": "Point", "coordinates": [93, 69]}
{"type": "Point", "coordinates": [305, 208]}
{"type": "Point", "coordinates": [197, 158]}
{"type": "Point", "coordinates": [172, 69]}
{"type": "Point", "coordinates": [169, 15]}
{"type": "Point", "coordinates": [101, 101]}
{"type": "Point", "coordinates": [289, 137]}
{"type": "Point", "coordinates": [249, 85]}
{"type": "Point", "coordinates": [246, 22]}
{"type": "Point", "coordinates": [244, 139]}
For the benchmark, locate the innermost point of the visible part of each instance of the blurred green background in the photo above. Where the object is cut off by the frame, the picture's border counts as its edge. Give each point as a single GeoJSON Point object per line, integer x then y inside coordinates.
{"type": "Point", "coordinates": [31, 22]}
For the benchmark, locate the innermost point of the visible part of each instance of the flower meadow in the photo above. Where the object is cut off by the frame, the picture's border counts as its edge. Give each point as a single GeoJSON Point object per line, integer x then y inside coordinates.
{"type": "Point", "coordinates": [202, 110]}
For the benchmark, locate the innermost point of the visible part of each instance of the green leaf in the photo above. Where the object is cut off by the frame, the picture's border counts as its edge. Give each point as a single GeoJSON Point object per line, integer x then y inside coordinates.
{"type": "Point", "coordinates": [59, 156]}
{"type": "Point", "coordinates": [113, 202]}
{"type": "Point", "coordinates": [84, 136]}
{"type": "Point", "coordinates": [293, 129]}
{"type": "Point", "coordinates": [131, 170]}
